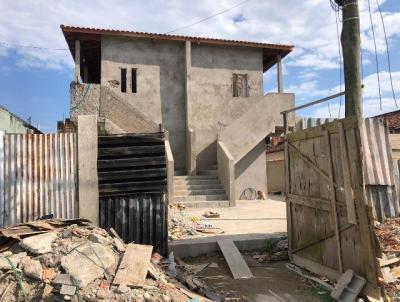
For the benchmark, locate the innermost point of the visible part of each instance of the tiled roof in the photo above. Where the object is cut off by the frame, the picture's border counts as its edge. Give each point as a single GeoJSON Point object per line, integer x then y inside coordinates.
{"type": "Point", "coordinates": [277, 148]}
{"type": "Point", "coordinates": [392, 119]}
{"type": "Point", "coordinates": [90, 30]}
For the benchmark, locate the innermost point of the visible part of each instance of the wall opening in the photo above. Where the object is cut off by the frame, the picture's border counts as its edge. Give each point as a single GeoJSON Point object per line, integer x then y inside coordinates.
{"type": "Point", "coordinates": [123, 79]}
{"type": "Point", "coordinates": [134, 80]}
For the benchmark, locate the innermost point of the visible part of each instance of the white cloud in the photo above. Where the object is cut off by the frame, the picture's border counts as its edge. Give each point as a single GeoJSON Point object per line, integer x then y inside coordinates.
{"type": "Point", "coordinates": [308, 24]}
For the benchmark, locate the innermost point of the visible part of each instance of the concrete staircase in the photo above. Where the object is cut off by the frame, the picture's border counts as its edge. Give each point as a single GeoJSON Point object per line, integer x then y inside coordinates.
{"type": "Point", "coordinates": [201, 191]}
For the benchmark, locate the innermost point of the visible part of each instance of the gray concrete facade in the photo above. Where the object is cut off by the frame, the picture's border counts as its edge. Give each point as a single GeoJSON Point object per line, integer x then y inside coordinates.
{"type": "Point", "coordinates": [187, 87]}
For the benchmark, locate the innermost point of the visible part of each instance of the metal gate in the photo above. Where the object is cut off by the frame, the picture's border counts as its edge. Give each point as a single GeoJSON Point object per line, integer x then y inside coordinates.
{"type": "Point", "coordinates": [132, 175]}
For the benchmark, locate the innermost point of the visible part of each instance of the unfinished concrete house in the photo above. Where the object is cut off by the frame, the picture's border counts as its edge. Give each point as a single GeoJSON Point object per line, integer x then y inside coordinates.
{"type": "Point", "coordinates": [207, 93]}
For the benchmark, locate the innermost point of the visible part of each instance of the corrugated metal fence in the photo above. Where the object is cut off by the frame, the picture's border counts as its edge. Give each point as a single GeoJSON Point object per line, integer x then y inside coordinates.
{"type": "Point", "coordinates": [132, 187]}
{"type": "Point", "coordinates": [39, 176]}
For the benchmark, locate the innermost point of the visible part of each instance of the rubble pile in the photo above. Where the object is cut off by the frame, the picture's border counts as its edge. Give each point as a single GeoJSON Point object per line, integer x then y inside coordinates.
{"type": "Point", "coordinates": [180, 226]}
{"type": "Point", "coordinates": [276, 250]}
{"type": "Point", "coordinates": [72, 260]}
{"type": "Point", "coordinates": [388, 234]}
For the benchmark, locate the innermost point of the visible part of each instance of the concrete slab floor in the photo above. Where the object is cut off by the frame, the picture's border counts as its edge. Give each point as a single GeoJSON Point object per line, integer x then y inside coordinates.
{"type": "Point", "coordinates": [272, 282]}
{"type": "Point", "coordinates": [248, 217]}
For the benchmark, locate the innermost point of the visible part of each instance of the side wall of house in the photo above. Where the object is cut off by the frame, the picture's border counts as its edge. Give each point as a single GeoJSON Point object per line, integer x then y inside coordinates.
{"type": "Point", "coordinates": [11, 124]}
{"type": "Point", "coordinates": [212, 105]}
{"type": "Point", "coordinates": [160, 83]}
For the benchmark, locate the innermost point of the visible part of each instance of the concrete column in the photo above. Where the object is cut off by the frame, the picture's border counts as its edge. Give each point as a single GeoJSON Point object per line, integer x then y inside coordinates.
{"type": "Point", "coordinates": [87, 168]}
{"type": "Point", "coordinates": [77, 60]}
{"type": "Point", "coordinates": [190, 135]}
{"type": "Point", "coordinates": [279, 73]}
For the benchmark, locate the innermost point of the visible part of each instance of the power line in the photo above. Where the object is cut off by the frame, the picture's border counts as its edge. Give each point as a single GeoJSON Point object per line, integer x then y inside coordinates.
{"type": "Point", "coordinates": [376, 53]}
{"type": "Point", "coordinates": [209, 17]}
{"type": "Point", "coordinates": [337, 14]}
{"type": "Point", "coordinates": [8, 45]}
{"type": "Point", "coordinates": [387, 52]}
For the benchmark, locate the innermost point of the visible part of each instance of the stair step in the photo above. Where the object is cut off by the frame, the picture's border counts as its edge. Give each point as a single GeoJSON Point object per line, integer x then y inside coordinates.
{"type": "Point", "coordinates": [199, 192]}
{"type": "Point", "coordinates": [207, 172]}
{"type": "Point", "coordinates": [196, 182]}
{"type": "Point", "coordinates": [186, 177]}
{"type": "Point", "coordinates": [206, 204]}
{"type": "Point", "coordinates": [197, 187]}
{"type": "Point", "coordinates": [189, 198]}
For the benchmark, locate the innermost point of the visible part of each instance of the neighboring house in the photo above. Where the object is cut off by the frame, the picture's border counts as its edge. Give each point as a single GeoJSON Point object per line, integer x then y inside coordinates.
{"type": "Point", "coordinates": [207, 93]}
{"type": "Point", "coordinates": [392, 120]}
{"type": "Point", "coordinates": [275, 155]}
{"type": "Point", "coordinates": [11, 123]}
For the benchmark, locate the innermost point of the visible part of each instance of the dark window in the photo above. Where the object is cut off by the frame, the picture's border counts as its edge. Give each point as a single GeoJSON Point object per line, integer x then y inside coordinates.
{"type": "Point", "coordinates": [123, 79]}
{"type": "Point", "coordinates": [240, 86]}
{"type": "Point", "coordinates": [134, 81]}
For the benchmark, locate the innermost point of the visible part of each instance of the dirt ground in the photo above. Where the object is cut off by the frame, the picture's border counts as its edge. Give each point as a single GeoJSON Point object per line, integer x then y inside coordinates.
{"type": "Point", "coordinates": [248, 217]}
{"type": "Point", "coordinates": [272, 282]}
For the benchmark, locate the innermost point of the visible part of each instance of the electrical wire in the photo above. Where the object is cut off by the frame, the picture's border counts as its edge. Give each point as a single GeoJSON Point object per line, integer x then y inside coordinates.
{"type": "Point", "coordinates": [8, 45]}
{"type": "Point", "coordinates": [337, 14]}
{"type": "Point", "coordinates": [387, 52]}
{"type": "Point", "coordinates": [207, 18]}
{"type": "Point", "coordinates": [376, 53]}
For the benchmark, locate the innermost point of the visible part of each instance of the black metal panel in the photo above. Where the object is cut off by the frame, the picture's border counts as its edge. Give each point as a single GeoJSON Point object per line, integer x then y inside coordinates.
{"type": "Point", "coordinates": [131, 163]}
{"type": "Point", "coordinates": [132, 173]}
{"type": "Point", "coordinates": [140, 218]}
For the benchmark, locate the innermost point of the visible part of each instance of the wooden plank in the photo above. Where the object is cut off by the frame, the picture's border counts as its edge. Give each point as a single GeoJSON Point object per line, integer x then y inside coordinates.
{"type": "Point", "coordinates": [288, 203]}
{"type": "Point", "coordinates": [311, 202]}
{"type": "Point", "coordinates": [153, 186]}
{"type": "Point", "coordinates": [127, 151]}
{"type": "Point", "coordinates": [333, 200]}
{"type": "Point", "coordinates": [131, 162]}
{"type": "Point", "coordinates": [234, 258]}
{"type": "Point", "coordinates": [309, 162]}
{"type": "Point", "coordinates": [316, 268]}
{"type": "Point", "coordinates": [132, 174]}
{"type": "Point", "coordinates": [348, 192]}
{"type": "Point", "coordinates": [134, 265]}
{"type": "Point", "coordinates": [2, 178]}
{"type": "Point", "coordinates": [386, 262]}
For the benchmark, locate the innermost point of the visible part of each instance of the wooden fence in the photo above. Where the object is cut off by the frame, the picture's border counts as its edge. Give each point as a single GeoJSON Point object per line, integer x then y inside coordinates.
{"type": "Point", "coordinates": [329, 223]}
{"type": "Point", "coordinates": [38, 175]}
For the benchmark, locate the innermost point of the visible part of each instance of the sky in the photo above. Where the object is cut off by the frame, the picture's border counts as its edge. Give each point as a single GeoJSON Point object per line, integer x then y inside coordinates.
{"type": "Point", "coordinates": [36, 68]}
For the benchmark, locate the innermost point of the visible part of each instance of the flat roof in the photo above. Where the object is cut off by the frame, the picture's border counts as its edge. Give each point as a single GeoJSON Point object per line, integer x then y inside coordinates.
{"type": "Point", "coordinates": [270, 51]}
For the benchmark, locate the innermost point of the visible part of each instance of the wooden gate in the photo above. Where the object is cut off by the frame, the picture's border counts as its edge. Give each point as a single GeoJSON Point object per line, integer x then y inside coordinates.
{"type": "Point", "coordinates": [329, 225]}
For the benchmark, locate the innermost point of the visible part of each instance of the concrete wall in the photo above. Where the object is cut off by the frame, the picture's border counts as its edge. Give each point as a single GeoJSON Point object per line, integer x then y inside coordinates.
{"type": "Point", "coordinates": [253, 126]}
{"type": "Point", "coordinates": [276, 175]}
{"type": "Point", "coordinates": [212, 105]}
{"type": "Point", "coordinates": [160, 83]}
{"type": "Point", "coordinates": [249, 171]}
{"type": "Point", "coordinates": [87, 168]}
{"type": "Point", "coordinates": [226, 171]}
{"type": "Point", "coordinates": [85, 99]}
{"type": "Point", "coordinates": [11, 124]}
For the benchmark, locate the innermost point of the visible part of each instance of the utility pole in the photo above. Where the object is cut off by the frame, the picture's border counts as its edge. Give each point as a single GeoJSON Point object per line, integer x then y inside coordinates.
{"type": "Point", "coordinates": [351, 57]}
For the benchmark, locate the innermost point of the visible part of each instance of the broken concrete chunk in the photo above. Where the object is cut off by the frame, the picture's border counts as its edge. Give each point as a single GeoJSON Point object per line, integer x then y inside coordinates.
{"type": "Point", "coordinates": [67, 290]}
{"type": "Point", "coordinates": [39, 244]}
{"type": "Point", "coordinates": [47, 290]}
{"type": "Point", "coordinates": [97, 238]}
{"type": "Point", "coordinates": [14, 258]}
{"type": "Point", "coordinates": [63, 279]}
{"type": "Point", "coordinates": [122, 289]}
{"type": "Point", "coordinates": [119, 245]}
{"type": "Point", "coordinates": [87, 263]}
{"type": "Point", "coordinates": [32, 268]}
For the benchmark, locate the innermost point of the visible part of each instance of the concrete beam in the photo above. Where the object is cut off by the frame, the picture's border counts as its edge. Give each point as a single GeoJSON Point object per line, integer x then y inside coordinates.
{"type": "Point", "coordinates": [279, 73]}
{"type": "Point", "coordinates": [87, 168]}
{"type": "Point", "coordinates": [77, 61]}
